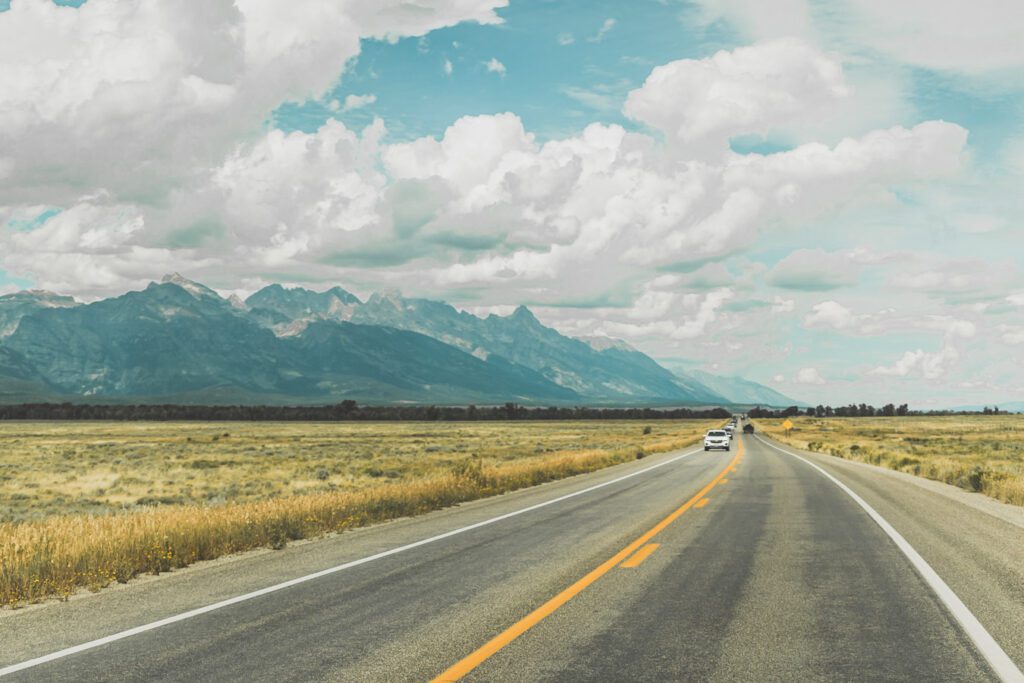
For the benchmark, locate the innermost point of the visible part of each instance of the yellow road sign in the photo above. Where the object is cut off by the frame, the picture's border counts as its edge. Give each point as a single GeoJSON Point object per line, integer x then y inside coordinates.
{"type": "Point", "coordinates": [787, 425]}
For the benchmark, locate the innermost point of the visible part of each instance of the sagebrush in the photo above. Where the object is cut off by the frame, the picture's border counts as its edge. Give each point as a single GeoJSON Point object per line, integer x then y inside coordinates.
{"type": "Point", "coordinates": [982, 453]}
{"type": "Point", "coordinates": [151, 486]}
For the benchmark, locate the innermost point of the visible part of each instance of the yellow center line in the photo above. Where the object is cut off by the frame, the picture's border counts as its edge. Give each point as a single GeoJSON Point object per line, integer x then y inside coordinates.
{"type": "Point", "coordinates": [640, 555]}
{"type": "Point", "coordinates": [478, 657]}
{"type": "Point", "coordinates": [723, 480]}
{"type": "Point", "coordinates": [702, 502]}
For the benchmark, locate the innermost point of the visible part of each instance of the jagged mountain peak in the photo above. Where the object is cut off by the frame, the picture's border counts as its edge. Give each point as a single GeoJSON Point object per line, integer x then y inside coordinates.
{"type": "Point", "coordinates": [194, 288]}
{"type": "Point", "coordinates": [277, 306]}
{"type": "Point", "coordinates": [525, 316]}
{"type": "Point", "coordinates": [274, 287]}
{"type": "Point", "coordinates": [281, 291]}
{"type": "Point", "coordinates": [605, 343]}
{"type": "Point", "coordinates": [391, 297]}
{"type": "Point", "coordinates": [41, 297]}
{"type": "Point", "coordinates": [343, 295]}
{"type": "Point", "coordinates": [14, 307]}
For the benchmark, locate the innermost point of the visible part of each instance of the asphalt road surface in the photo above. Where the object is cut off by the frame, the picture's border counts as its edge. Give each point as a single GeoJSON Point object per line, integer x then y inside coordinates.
{"type": "Point", "coordinates": [751, 565]}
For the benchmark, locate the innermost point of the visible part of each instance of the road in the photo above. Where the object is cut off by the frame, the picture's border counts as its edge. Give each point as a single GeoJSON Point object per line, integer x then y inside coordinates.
{"type": "Point", "coordinates": [743, 566]}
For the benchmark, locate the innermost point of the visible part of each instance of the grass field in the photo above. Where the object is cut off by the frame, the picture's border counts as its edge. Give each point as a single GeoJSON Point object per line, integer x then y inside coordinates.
{"type": "Point", "coordinates": [983, 453]}
{"type": "Point", "coordinates": [86, 504]}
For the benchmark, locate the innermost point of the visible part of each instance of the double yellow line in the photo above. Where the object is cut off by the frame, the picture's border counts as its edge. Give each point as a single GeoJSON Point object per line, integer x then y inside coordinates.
{"type": "Point", "coordinates": [478, 657]}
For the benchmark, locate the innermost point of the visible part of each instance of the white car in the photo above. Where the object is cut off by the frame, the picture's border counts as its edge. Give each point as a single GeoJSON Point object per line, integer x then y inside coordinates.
{"type": "Point", "coordinates": [729, 429]}
{"type": "Point", "coordinates": [717, 438]}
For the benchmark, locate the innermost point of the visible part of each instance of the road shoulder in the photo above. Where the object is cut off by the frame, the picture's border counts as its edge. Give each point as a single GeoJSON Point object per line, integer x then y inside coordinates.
{"type": "Point", "coordinates": [980, 555]}
{"type": "Point", "coordinates": [1012, 514]}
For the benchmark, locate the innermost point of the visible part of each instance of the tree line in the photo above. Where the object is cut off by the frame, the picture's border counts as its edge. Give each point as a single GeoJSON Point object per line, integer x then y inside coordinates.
{"type": "Point", "coordinates": [863, 410]}
{"type": "Point", "coordinates": [852, 410]}
{"type": "Point", "coordinates": [344, 411]}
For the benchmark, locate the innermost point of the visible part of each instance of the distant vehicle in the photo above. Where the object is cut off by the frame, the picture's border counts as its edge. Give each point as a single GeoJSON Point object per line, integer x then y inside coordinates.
{"type": "Point", "coordinates": [716, 438]}
{"type": "Point", "coordinates": [748, 428]}
{"type": "Point", "coordinates": [729, 429]}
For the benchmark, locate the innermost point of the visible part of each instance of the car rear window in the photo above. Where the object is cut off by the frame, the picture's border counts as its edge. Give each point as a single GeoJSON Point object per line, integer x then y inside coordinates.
{"type": "Point", "coordinates": [717, 433]}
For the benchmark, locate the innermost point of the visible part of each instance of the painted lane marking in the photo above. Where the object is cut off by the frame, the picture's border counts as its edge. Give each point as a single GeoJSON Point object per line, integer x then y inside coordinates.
{"type": "Point", "coordinates": [997, 658]}
{"type": "Point", "coordinates": [640, 555]}
{"type": "Point", "coordinates": [484, 652]}
{"type": "Point", "coordinates": [724, 481]}
{"type": "Point", "coordinates": [702, 502]}
{"type": "Point", "coordinates": [121, 635]}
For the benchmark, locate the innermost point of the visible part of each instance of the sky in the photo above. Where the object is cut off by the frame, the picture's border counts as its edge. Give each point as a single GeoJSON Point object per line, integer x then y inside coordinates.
{"type": "Point", "coordinates": [823, 197]}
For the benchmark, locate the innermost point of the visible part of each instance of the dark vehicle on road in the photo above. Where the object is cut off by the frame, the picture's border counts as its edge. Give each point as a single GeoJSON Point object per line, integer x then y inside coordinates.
{"type": "Point", "coordinates": [748, 428]}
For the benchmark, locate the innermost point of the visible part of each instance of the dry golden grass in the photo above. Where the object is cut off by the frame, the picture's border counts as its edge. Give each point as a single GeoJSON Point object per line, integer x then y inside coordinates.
{"type": "Point", "coordinates": [232, 487]}
{"type": "Point", "coordinates": [983, 453]}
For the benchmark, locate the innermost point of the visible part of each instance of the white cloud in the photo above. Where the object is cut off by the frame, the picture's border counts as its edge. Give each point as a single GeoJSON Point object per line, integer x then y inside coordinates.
{"type": "Point", "coordinates": [614, 200]}
{"type": "Point", "coordinates": [780, 305]}
{"type": "Point", "coordinates": [294, 192]}
{"type": "Point", "coordinates": [808, 376]}
{"type": "Point", "coordinates": [701, 103]}
{"type": "Point", "coordinates": [358, 102]}
{"type": "Point", "coordinates": [950, 326]}
{"type": "Point", "coordinates": [961, 280]}
{"type": "Point", "coordinates": [831, 314]}
{"type": "Point", "coordinates": [814, 270]}
{"type": "Point", "coordinates": [469, 155]}
{"type": "Point", "coordinates": [1012, 334]}
{"type": "Point", "coordinates": [394, 19]}
{"type": "Point", "coordinates": [760, 20]}
{"type": "Point", "coordinates": [565, 39]}
{"type": "Point", "coordinates": [447, 67]}
{"type": "Point", "coordinates": [927, 365]}
{"type": "Point", "coordinates": [936, 364]}
{"type": "Point", "coordinates": [973, 38]}
{"type": "Point", "coordinates": [607, 198]}
{"type": "Point", "coordinates": [149, 95]}
{"type": "Point", "coordinates": [494, 66]}
{"type": "Point", "coordinates": [929, 150]}
{"type": "Point", "coordinates": [669, 314]}
{"type": "Point", "coordinates": [606, 26]}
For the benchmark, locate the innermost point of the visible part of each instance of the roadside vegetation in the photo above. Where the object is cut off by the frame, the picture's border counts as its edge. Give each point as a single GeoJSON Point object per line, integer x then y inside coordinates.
{"type": "Point", "coordinates": [83, 505]}
{"type": "Point", "coordinates": [982, 453]}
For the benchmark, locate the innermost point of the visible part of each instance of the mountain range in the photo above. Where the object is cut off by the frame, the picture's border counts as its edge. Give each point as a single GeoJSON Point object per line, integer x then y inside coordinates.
{"type": "Point", "coordinates": [743, 391]}
{"type": "Point", "coordinates": [180, 341]}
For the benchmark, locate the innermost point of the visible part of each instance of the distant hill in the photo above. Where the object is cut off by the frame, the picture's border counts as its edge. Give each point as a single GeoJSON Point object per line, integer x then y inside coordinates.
{"type": "Point", "coordinates": [742, 391]}
{"type": "Point", "coordinates": [179, 341]}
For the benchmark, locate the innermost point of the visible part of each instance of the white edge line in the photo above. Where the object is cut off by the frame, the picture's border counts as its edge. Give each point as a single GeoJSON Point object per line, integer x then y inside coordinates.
{"type": "Point", "coordinates": [997, 658]}
{"type": "Point", "coordinates": [121, 635]}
